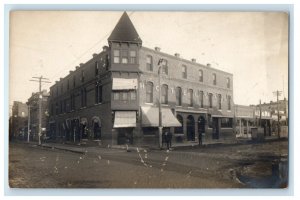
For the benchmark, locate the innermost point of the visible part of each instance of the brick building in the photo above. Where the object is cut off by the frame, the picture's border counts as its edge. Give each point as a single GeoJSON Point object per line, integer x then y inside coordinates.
{"type": "Point", "coordinates": [114, 96]}
{"type": "Point", "coordinates": [33, 104]}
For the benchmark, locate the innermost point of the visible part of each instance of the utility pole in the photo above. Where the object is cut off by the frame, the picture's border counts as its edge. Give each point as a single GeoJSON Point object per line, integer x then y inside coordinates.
{"type": "Point", "coordinates": [28, 125]}
{"type": "Point", "coordinates": [41, 80]}
{"type": "Point", "coordinates": [160, 127]}
{"type": "Point", "coordinates": [278, 93]}
{"type": "Point", "coordinates": [259, 123]}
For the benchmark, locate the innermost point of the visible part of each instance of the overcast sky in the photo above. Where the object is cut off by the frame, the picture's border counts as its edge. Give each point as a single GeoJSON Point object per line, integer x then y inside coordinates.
{"type": "Point", "coordinates": [253, 46]}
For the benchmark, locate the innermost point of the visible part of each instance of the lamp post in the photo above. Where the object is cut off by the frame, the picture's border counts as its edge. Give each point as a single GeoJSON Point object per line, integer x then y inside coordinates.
{"type": "Point", "coordinates": [160, 127]}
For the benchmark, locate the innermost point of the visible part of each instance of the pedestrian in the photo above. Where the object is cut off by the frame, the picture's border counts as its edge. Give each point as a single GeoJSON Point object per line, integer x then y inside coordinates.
{"type": "Point", "coordinates": [168, 139]}
{"type": "Point", "coordinates": [170, 135]}
{"type": "Point", "coordinates": [164, 138]}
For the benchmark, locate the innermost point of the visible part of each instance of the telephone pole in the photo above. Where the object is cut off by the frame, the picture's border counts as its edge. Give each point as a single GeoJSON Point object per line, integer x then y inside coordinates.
{"type": "Point", "coordinates": [278, 93]}
{"type": "Point", "coordinates": [40, 80]}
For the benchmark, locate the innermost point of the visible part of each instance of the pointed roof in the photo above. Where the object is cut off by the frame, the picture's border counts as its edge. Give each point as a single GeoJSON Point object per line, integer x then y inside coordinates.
{"type": "Point", "coordinates": [124, 31]}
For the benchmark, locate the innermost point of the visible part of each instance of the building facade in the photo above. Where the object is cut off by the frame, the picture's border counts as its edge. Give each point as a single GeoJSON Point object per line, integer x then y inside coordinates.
{"type": "Point", "coordinates": [18, 120]}
{"type": "Point", "coordinates": [33, 117]}
{"type": "Point", "coordinates": [114, 97]}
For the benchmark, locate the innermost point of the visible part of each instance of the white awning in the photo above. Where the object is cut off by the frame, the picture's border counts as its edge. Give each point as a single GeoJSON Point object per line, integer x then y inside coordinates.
{"type": "Point", "coordinates": [125, 119]}
{"type": "Point", "coordinates": [124, 84]}
{"type": "Point", "coordinates": [150, 117]}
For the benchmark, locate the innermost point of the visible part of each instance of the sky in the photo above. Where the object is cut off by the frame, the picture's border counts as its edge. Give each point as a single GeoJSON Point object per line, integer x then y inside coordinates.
{"type": "Point", "coordinates": [253, 46]}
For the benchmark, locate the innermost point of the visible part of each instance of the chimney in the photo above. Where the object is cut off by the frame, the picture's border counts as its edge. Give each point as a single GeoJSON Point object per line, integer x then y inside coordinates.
{"type": "Point", "coordinates": [193, 60]}
{"type": "Point", "coordinates": [60, 79]}
{"type": "Point", "coordinates": [77, 67]}
{"type": "Point", "coordinates": [94, 55]}
{"type": "Point", "coordinates": [157, 49]}
{"type": "Point", "coordinates": [177, 55]}
{"type": "Point", "coordinates": [70, 71]}
{"type": "Point", "coordinates": [105, 48]}
{"type": "Point", "coordinates": [208, 65]}
{"type": "Point", "coordinates": [56, 82]}
{"type": "Point", "coordinates": [81, 64]}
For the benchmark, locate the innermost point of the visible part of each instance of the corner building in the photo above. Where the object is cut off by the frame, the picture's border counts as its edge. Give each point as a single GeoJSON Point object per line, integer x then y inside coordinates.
{"type": "Point", "coordinates": [114, 96]}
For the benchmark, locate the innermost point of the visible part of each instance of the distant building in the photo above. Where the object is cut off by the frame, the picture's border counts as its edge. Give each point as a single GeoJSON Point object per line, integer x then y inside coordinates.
{"type": "Point", "coordinates": [114, 96]}
{"type": "Point", "coordinates": [33, 104]}
{"type": "Point", "coordinates": [283, 110]}
{"type": "Point", "coordinates": [18, 119]}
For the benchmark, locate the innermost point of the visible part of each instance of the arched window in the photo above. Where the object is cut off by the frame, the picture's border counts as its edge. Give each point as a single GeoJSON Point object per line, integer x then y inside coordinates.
{"type": "Point", "coordinates": [228, 82]}
{"type": "Point", "coordinates": [191, 95]}
{"type": "Point", "coordinates": [178, 96]}
{"type": "Point", "coordinates": [200, 75]}
{"type": "Point", "coordinates": [149, 65]}
{"type": "Point", "coordinates": [220, 101]}
{"type": "Point", "coordinates": [214, 79]}
{"type": "Point", "coordinates": [149, 92]}
{"type": "Point", "coordinates": [210, 96]}
{"type": "Point", "coordinates": [164, 94]}
{"type": "Point", "coordinates": [201, 98]}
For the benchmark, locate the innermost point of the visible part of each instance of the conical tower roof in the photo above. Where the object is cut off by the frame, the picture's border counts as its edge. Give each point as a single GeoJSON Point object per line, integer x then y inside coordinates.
{"type": "Point", "coordinates": [124, 31]}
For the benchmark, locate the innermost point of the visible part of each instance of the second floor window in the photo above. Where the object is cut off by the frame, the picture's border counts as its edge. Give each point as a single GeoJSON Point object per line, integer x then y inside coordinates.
{"type": "Point", "coordinates": [98, 94]}
{"type": "Point", "coordinates": [82, 76]}
{"type": "Point", "coordinates": [201, 98]}
{"type": "Point", "coordinates": [149, 92]}
{"type": "Point", "coordinates": [74, 81]}
{"type": "Point", "coordinates": [229, 102]}
{"type": "Point", "coordinates": [210, 99]}
{"type": "Point", "coordinates": [191, 95]}
{"type": "Point", "coordinates": [72, 102]}
{"type": "Point", "coordinates": [220, 101]}
{"type": "Point", "coordinates": [201, 75]}
{"type": "Point", "coordinates": [184, 71]}
{"type": "Point", "coordinates": [83, 97]}
{"type": "Point", "coordinates": [68, 84]}
{"type": "Point", "coordinates": [178, 96]}
{"type": "Point", "coordinates": [133, 57]}
{"type": "Point", "coordinates": [116, 56]}
{"type": "Point", "coordinates": [164, 94]}
{"type": "Point", "coordinates": [165, 67]}
{"type": "Point", "coordinates": [133, 95]}
{"type": "Point", "coordinates": [149, 63]}
{"type": "Point", "coordinates": [228, 82]}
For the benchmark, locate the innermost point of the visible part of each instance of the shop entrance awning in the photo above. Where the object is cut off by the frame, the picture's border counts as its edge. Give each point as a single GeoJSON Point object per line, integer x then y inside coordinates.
{"type": "Point", "coordinates": [124, 84]}
{"type": "Point", "coordinates": [150, 117]}
{"type": "Point", "coordinates": [125, 119]}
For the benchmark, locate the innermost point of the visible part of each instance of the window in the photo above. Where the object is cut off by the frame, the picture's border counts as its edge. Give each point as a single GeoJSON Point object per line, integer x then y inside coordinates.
{"type": "Point", "coordinates": [228, 82]}
{"type": "Point", "coordinates": [116, 56]}
{"type": "Point", "coordinates": [165, 67]}
{"type": "Point", "coordinates": [96, 68]}
{"type": "Point", "coordinates": [149, 92]}
{"type": "Point", "coordinates": [149, 63]}
{"type": "Point", "coordinates": [74, 81]}
{"type": "Point", "coordinates": [72, 102]}
{"type": "Point", "coordinates": [56, 108]}
{"type": "Point", "coordinates": [57, 91]}
{"type": "Point", "coordinates": [164, 94]}
{"type": "Point", "coordinates": [82, 76]}
{"type": "Point", "coordinates": [124, 96]}
{"type": "Point", "coordinates": [61, 88]}
{"type": "Point", "coordinates": [133, 95]}
{"type": "Point", "coordinates": [83, 97]}
{"type": "Point", "coordinates": [133, 57]}
{"type": "Point", "coordinates": [201, 75]}
{"type": "Point", "coordinates": [184, 71]}
{"type": "Point", "coordinates": [124, 56]}
{"type": "Point", "coordinates": [68, 84]}
{"type": "Point", "coordinates": [201, 98]}
{"type": "Point", "coordinates": [178, 96]}
{"type": "Point", "coordinates": [214, 79]}
{"type": "Point", "coordinates": [229, 102]}
{"type": "Point", "coordinates": [226, 122]}
{"type": "Point", "coordinates": [210, 98]}
{"type": "Point", "coordinates": [220, 101]}
{"type": "Point", "coordinates": [116, 96]}
{"type": "Point", "coordinates": [65, 105]}
{"type": "Point", "coordinates": [98, 94]}
{"type": "Point", "coordinates": [191, 97]}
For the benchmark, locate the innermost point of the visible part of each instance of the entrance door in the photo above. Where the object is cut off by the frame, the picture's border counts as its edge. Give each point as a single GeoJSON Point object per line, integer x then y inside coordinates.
{"type": "Point", "coordinates": [215, 134]}
{"type": "Point", "coordinates": [190, 128]}
{"type": "Point", "coordinates": [125, 136]}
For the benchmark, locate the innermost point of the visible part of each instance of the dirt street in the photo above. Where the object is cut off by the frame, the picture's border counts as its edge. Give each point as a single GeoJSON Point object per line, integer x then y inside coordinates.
{"type": "Point", "coordinates": [211, 167]}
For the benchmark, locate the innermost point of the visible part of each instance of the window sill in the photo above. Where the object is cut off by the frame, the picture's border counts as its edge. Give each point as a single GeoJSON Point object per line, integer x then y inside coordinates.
{"type": "Point", "coordinates": [149, 103]}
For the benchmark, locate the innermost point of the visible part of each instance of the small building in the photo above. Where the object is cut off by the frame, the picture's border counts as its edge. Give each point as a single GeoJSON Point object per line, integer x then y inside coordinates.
{"type": "Point", "coordinates": [18, 120]}
{"type": "Point", "coordinates": [33, 117]}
